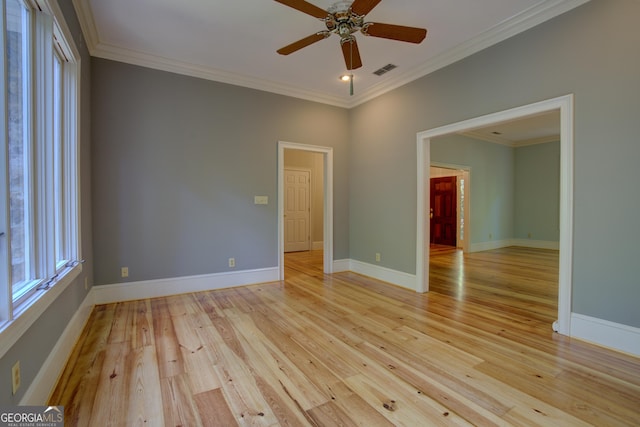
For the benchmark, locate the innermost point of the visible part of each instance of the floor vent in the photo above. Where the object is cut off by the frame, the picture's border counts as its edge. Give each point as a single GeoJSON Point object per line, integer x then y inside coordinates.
{"type": "Point", "coordinates": [385, 69]}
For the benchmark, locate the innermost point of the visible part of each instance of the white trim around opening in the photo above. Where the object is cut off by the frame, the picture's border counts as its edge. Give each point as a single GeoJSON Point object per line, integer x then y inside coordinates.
{"type": "Point", "coordinates": [327, 153]}
{"type": "Point", "coordinates": [564, 105]}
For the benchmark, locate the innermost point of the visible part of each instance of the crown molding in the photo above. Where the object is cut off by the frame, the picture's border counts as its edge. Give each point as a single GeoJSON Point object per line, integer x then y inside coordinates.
{"type": "Point", "coordinates": [509, 143]}
{"type": "Point", "coordinates": [517, 24]}
{"type": "Point", "coordinates": [488, 138]}
{"type": "Point", "coordinates": [527, 19]}
{"type": "Point", "coordinates": [536, 141]}
{"type": "Point", "coordinates": [115, 53]}
{"type": "Point", "coordinates": [87, 23]}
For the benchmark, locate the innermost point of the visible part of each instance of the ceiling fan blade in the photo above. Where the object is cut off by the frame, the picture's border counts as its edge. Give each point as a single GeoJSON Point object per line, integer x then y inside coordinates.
{"type": "Point", "coordinates": [303, 42]}
{"type": "Point", "coordinates": [351, 53]}
{"type": "Point", "coordinates": [362, 7]}
{"type": "Point", "coordinates": [305, 7]}
{"type": "Point", "coordinates": [394, 32]}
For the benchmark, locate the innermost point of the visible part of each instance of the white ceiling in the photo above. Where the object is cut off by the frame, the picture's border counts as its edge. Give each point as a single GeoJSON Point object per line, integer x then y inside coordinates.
{"type": "Point", "coordinates": [535, 129]}
{"type": "Point", "coordinates": [235, 41]}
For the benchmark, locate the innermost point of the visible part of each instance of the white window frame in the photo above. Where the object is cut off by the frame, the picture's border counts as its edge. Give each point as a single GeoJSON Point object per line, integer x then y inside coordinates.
{"type": "Point", "coordinates": [51, 36]}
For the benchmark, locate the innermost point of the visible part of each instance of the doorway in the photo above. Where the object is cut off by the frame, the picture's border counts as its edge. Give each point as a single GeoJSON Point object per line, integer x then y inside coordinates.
{"type": "Point", "coordinates": [326, 154]}
{"type": "Point", "coordinates": [298, 205]}
{"type": "Point", "coordinates": [443, 211]}
{"type": "Point", "coordinates": [462, 175]}
{"type": "Point", "coordinates": [563, 105]}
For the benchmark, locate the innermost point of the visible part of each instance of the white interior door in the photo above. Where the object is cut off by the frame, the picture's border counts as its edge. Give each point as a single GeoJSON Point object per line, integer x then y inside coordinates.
{"type": "Point", "coordinates": [296, 210]}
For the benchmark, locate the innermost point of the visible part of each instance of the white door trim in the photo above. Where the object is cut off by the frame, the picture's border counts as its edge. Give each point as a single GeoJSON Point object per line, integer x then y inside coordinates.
{"type": "Point", "coordinates": [327, 153]}
{"type": "Point", "coordinates": [565, 105]}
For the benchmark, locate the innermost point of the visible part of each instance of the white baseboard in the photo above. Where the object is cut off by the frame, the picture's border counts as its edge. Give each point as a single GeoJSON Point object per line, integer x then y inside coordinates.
{"type": "Point", "coordinates": [605, 333]}
{"type": "Point", "coordinates": [317, 246]}
{"type": "Point", "coordinates": [105, 294]}
{"type": "Point", "coordinates": [536, 244]}
{"type": "Point", "coordinates": [341, 265]}
{"type": "Point", "coordinates": [394, 277]}
{"type": "Point", "coordinates": [42, 385]}
{"type": "Point", "coordinates": [527, 243]}
{"type": "Point", "coordinates": [488, 246]}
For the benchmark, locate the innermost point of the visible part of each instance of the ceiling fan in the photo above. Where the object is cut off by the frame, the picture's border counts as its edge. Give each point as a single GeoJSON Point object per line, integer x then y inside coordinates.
{"type": "Point", "coordinates": [344, 18]}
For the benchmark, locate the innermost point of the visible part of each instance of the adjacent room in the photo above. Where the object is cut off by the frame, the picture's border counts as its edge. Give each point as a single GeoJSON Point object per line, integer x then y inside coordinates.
{"type": "Point", "coordinates": [321, 213]}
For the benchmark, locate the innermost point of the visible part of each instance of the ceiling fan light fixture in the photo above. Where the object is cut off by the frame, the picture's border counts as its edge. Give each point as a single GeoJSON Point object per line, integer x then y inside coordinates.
{"type": "Point", "coordinates": [348, 78]}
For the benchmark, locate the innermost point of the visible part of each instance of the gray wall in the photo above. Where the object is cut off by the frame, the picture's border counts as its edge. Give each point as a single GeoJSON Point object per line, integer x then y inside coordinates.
{"type": "Point", "coordinates": [177, 162]}
{"type": "Point", "coordinates": [513, 191]}
{"type": "Point", "coordinates": [33, 348]}
{"type": "Point", "coordinates": [492, 183]}
{"type": "Point", "coordinates": [537, 197]}
{"type": "Point", "coordinates": [562, 56]}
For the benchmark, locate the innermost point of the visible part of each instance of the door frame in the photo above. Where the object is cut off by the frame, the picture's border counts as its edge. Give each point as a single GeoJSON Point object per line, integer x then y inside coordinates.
{"type": "Point", "coordinates": [454, 218]}
{"type": "Point", "coordinates": [327, 164]}
{"type": "Point", "coordinates": [564, 104]}
{"type": "Point", "coordinates": [466, 173]}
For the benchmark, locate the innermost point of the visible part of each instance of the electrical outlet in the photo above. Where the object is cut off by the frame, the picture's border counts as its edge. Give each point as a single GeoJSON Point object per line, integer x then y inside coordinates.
{"type": "Point", "coordinates": [529, 235]}
{"type": "Point", "coordinates": [232, 262]}
{"type": "Point", "coordinates": [490, 236]}
{"type": "Point", "coordinates": [86, 283]}
{"type": "Point", "coordinates": [15, 377]}
{"type": "Point", "coordinates": [377, 256]}
{"type": "Point", "coordinates": [124, 272]}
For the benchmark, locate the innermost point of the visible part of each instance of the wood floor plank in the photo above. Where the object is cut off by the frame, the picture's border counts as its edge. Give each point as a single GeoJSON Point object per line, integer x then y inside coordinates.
{"type": "Point", "coordinates": [344, 349]}
{"type": "Point", "coordinates": [359, 410]}
{"type": "Point", "coordinates": [170, 361]}
{"type": "Point", "coordinates": [144, 397]}
{"type": "Point", "coordinates": [76, 384]}
{"type": "Point", "coordinates": [313, 369]}
{"type": "Point", "coordinates": [238, 384]}
{"type": "Point", "coordinates": [196, 358]}
{"type": "Point", "coordinates": [213, 409]}
{"type": "Point", "coordinates": [121, 326]}
{"type": "Point", "coordinates": [280, 368]}
{"type": "Point", "coordinates": [570, 395]}
{"type": "Point", "coordinates": [395, 402]}
{"type": "Point", "coordinates": [112, 391]}
{"type": "Point", "coordinates": [142, 335]}
{"type": "Point", "coordinates": [179, 406]}
{"type": "Point", "coordinates": [329, 414]}
{"type": "Point", "coordinates": [454, 394]}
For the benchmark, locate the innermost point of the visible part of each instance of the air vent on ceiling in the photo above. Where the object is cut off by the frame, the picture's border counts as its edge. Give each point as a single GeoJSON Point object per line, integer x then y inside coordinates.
{"type": "Point", "coordinates": [385, 69]}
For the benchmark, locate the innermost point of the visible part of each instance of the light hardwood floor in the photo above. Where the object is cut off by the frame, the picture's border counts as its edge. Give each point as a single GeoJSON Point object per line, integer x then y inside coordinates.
{"type": "Point", "coordinates": [349, 350]}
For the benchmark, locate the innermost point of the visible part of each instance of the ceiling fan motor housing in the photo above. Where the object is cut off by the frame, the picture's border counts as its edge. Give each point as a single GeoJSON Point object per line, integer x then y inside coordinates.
{"type": "Point", "coordinates": [342, 21]}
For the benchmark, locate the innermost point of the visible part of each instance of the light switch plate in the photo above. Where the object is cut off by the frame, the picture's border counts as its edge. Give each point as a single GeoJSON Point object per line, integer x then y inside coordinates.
{"type": "Point", "coordinates": [260, 200]}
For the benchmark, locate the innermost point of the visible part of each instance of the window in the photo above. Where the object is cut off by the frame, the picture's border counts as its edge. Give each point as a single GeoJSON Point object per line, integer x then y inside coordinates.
{"type": "Point", "coordinates": [39, 220]}
{"type": "Point", "coordinates": [18, 47]}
